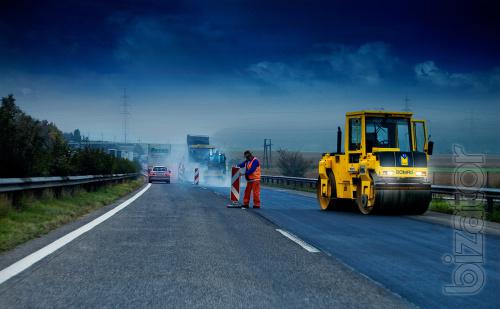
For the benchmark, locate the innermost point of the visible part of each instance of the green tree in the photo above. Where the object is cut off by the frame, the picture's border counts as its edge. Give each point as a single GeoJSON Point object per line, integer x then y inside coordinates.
{"type": "Point", "coordinates": [21, 142]}
{"type": "Point", "coordinates": [30, 148]}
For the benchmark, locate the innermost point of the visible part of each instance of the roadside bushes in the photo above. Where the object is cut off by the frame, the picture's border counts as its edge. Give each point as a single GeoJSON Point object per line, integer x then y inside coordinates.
{"type": "Point", "coordinates": [90, 161]}
{"type": "Point", "coordinates": [31, 148]}
{"type": "Point", "coordinates": [292, 163]}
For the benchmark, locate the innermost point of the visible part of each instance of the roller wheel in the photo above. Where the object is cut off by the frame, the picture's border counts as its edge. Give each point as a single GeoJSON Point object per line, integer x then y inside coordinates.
{"type": "Point", "coordinates": [413, 202]}
{"type": "Point", "coordinates": [362, 202]}
{"type": "Point", "coordinates": [327, 203]}
{"type": "Point", "coordinates": [421, 205]}
{"type": "Point", "coordinates": [418, 210]}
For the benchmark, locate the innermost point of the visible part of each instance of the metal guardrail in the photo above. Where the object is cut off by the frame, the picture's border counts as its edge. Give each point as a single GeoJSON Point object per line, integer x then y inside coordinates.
{"type": "Point", "coordinates": [21, 184]}
{"type": "Point", "coordinates": [290, 180]}
{"type": "Point", "coordinates": [489, 194]}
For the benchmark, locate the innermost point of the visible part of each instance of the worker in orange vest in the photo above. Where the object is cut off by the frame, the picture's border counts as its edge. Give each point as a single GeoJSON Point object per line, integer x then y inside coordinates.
{"type": "Point", "coordinates": [252, 175]}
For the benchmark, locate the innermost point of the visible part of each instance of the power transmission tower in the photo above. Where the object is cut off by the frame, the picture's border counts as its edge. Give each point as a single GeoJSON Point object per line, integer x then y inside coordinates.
{"type": "Point", "coordinates": [407, 104]}
{"type": "Point", "coordinates": [125, 114]}
{"type": "Point", "coordinates": [267, 153]}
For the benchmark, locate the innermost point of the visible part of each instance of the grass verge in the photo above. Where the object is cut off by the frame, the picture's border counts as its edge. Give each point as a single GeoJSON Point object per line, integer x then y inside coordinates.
{"type": "Point", "coordinates": [449, 207]}
{"type": "Point", "coordinates": [36, 217]}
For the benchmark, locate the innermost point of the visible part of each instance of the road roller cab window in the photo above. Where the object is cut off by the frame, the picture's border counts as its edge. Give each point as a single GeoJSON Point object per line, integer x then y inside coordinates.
{"type": "Point", "coordinates": [388, 132]}
{"type": "Point", "coordinates": [419, 129]}
{"type": "Point", "coordinates": [354, 134]}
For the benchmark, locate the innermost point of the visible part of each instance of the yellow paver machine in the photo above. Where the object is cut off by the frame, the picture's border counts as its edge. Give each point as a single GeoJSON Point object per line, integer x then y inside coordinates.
{"type": "Point", "coordinates": [383, 168]}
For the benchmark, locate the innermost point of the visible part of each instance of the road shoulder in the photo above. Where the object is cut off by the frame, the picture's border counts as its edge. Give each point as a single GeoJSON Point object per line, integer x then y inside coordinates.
{"type": "Point", "coordinates": [7, 258]}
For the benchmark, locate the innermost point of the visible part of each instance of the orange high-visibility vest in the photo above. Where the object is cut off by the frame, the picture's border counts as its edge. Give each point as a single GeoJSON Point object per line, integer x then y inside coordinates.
{"type": "Point", "coordinates": [256, 174]}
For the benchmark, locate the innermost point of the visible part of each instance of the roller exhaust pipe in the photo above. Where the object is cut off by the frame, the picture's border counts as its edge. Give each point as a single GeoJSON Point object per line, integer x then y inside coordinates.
{"type": "Point", "coordinates": [339, 140]}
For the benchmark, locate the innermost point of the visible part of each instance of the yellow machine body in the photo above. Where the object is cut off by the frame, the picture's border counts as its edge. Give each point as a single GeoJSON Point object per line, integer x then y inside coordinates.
{"type": "Point", "coordinates": [383, 166]}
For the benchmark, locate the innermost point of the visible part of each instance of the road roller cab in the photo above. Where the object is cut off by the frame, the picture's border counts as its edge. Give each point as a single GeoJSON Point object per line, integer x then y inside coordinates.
{"type": "Point", "coordinates": [383, 166]}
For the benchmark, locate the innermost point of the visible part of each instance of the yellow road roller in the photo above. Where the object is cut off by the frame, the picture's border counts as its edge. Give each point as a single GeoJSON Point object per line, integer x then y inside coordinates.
{"type": "Point", "coordinates": [383, 167]}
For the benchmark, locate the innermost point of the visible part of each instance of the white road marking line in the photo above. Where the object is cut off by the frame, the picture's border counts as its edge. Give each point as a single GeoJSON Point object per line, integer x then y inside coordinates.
{"type": "Point", "coordinates": [298, 241]}
{"type": "Point", "coordinates": [36, 256]}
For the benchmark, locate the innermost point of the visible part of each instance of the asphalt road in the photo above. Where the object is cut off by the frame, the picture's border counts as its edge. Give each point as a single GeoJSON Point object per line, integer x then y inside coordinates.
{"type": "Point", "coordinates": [178, 246]}
{"type": "Point", "coordinates": [402, 253]}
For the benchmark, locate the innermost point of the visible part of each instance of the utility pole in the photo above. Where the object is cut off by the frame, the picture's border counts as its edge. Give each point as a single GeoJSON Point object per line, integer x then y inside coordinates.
{"type": "Point", "coordinates": [267, 153]}
{"type": "Point", "coordinates": [407, 104]}
{"type": "Point", "coordinates": [125, 113]}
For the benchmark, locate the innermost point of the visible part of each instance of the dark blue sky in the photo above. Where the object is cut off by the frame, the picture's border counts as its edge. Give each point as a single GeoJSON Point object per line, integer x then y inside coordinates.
{"type": "Point", "coordinates": [213, 65]}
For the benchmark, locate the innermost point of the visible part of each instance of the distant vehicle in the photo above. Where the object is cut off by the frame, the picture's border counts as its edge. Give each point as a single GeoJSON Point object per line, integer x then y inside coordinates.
{"type": "Point", "coordinates": [158, 154]}
{"type": "Point", "coordinates": [211, 161]}
{"type": "Point", "coordinates": [159, 173]}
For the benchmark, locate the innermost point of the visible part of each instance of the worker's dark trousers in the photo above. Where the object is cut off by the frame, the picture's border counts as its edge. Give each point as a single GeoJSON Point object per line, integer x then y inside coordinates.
{"type": "Point", "coordinates": [255, 186]}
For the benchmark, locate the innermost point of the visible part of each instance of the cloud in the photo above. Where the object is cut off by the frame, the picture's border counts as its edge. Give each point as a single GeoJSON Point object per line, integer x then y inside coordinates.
{"type": "Point", "coordinates": [272, 72]}
{"type": "Point", "coordinates": [428, 72]}
{"type": "Point", "coordinates": [169, 44]}
{"type": "Point", "coordinates": [495, 78]}
{"type": "Point", "coordinates": [145, 38]}
{"type": "Point", "coordinates": [368, 64]}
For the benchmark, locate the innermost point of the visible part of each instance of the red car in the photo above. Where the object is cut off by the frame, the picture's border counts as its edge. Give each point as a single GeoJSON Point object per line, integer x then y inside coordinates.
{"type": "Point", "coordinates": [159, 173]}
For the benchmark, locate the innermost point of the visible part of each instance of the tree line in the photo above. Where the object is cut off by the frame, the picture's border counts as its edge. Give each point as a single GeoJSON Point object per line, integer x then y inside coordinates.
{"type": "Point", "coordinates": [33, 148]}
